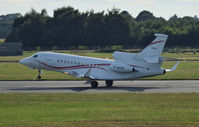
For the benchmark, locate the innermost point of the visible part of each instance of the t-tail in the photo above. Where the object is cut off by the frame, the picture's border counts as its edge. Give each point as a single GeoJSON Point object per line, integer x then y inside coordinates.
{"type": "Point", "coordinates": [153, 51]}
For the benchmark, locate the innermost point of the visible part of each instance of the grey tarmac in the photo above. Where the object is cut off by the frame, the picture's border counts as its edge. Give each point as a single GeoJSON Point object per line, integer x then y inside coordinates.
{"type": "Point", "coordinates": [137, 86]}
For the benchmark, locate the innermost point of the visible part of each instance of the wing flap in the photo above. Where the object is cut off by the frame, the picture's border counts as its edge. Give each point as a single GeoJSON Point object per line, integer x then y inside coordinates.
{"type": "Point", "coordinates": [87, 75]}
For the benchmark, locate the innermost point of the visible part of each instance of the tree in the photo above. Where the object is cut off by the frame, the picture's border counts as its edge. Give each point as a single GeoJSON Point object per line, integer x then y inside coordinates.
{"type": "Point", "coordinates": [70, 27]}
{"type": "Point", "coordinates": [145, 15]}
{"type": "Point", "coordinates": [29, 29]}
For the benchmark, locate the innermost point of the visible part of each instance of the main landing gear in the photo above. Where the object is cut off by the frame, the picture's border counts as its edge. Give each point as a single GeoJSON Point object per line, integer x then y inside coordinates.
{"type": "Point", "coordinates": [94, 84]}
{"type": "Point", "coordinates": [109, 83]}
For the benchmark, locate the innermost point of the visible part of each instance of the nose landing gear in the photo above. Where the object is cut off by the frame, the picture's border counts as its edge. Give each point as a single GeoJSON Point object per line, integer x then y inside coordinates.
{"type": "Point", "coordinates": [40, 72]}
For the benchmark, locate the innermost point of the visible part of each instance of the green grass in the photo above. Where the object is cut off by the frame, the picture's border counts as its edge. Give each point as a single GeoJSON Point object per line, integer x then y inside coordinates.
{"type": "Point", "coordinates": [185, 70]}
{"type": "Point", "coordinates": [16, 58]}
{"type": "Point", "coordinates": [98, 110]}
{"type": "Point", "coordinates": [2, 40]}
{"type": "Point", "coordinates": [30, 53]}
{"type": "Point", "coordinates": [16, 71]}
{"type": "Point", "coordinates": [180, 56]}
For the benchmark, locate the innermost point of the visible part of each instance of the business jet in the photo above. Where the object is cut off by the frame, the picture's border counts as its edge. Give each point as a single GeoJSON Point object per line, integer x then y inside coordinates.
{"type": "Point", "coordinates": [124, 66]}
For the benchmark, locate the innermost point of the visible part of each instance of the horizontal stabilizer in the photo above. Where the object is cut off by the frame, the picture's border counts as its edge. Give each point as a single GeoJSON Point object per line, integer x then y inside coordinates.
{"type": "Point", "coordinates": [173, 68]}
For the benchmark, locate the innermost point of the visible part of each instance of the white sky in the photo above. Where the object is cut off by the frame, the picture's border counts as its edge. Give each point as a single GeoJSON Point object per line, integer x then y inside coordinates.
{"type": "Point", "coordinates": [160, 8]}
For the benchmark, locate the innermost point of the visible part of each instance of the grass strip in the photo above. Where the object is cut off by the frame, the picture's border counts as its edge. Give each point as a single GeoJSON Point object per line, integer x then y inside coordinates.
{"type": "Point", "coordinates": [97, 110]}
{"type": "Point", "coordinates": [16, 71]}
{"type": "Point", "coordinates": [180, 56]}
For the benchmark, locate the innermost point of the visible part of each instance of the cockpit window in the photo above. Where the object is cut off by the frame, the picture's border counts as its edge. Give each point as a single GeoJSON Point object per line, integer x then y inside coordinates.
{"type": "Point", "coordinates": [35, 56]}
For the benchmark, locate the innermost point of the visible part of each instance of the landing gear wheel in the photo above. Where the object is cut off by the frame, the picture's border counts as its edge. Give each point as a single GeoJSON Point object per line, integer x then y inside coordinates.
{"type": "Point", "coordinates": [39, 77]}
{"type": "Point", "coordinates": [109, 83]}
{"type": "Point", "coordinates": [94, 84]}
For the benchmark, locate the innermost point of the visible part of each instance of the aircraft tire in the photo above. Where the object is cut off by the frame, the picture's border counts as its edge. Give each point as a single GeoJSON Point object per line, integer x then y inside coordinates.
{"type": "Point", "coordinates": [109, 83]}
{"type": "Point", "coordinates": [39, 77]}
{"type": "Point", "coordinates": [94, 84]}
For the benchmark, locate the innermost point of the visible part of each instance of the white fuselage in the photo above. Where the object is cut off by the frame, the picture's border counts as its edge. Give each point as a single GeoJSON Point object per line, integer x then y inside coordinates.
{"type": "Point", "coordinates": [130, 68]}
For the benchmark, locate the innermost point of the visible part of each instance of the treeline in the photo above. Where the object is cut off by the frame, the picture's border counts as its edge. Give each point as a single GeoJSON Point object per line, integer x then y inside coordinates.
{"type": "Point", "coordinates": [6, 22]}
{"type": "Point", "coordinates": [71, 28]}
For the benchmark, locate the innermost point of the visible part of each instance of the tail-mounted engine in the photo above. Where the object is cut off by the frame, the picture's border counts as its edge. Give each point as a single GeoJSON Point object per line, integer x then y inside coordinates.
{"type": "Point", "coordinates": [121, 67]}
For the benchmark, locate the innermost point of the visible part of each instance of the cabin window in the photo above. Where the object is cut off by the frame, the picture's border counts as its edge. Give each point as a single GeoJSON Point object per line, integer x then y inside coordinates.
{"type": "Point", "coordinates": [57, 61]}
{"type": "Point", "coordinates": [61, 61]}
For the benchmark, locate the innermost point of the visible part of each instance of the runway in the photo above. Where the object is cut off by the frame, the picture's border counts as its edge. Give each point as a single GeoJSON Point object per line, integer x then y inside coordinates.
{"type": "Point", "coordinates": [138, 86]}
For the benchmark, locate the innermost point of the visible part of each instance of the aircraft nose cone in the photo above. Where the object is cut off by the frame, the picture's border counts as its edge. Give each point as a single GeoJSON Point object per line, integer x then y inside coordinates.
{"type": "Point", "coordinates": [24, 61]}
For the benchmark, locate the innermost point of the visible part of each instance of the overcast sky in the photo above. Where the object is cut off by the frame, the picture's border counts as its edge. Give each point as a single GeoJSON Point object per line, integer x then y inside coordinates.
{"type": "Point", "coordinates": [160, 8]}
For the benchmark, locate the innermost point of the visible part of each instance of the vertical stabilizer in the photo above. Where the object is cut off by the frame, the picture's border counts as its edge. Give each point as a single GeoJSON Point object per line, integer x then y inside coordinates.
{"type": "Point", "coordinates": [156, 46]}
{"type": "Point", "coordinates": [153, 51]}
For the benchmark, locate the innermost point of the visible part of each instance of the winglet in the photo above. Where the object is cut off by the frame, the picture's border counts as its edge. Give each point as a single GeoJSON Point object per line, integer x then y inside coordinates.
{"type": "Point", "coordinates": [173, 68]}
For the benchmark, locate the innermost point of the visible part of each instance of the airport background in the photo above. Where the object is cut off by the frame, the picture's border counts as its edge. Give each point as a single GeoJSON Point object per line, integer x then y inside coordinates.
{"type": "Point", "coordinates": [71, 29]}
{"type": "Point", "coordinates": [114, 30]}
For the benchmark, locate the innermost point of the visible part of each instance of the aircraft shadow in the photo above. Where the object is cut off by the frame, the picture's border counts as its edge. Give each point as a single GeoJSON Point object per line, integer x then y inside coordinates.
{"type": "Point", "coordinates": [81, 89]}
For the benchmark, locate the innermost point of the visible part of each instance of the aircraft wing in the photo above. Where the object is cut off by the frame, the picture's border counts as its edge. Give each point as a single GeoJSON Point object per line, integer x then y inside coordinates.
{"type": "Point", "coordinates": [78, 75]}
{"type": "Point", "coordinates": [74, 74]}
